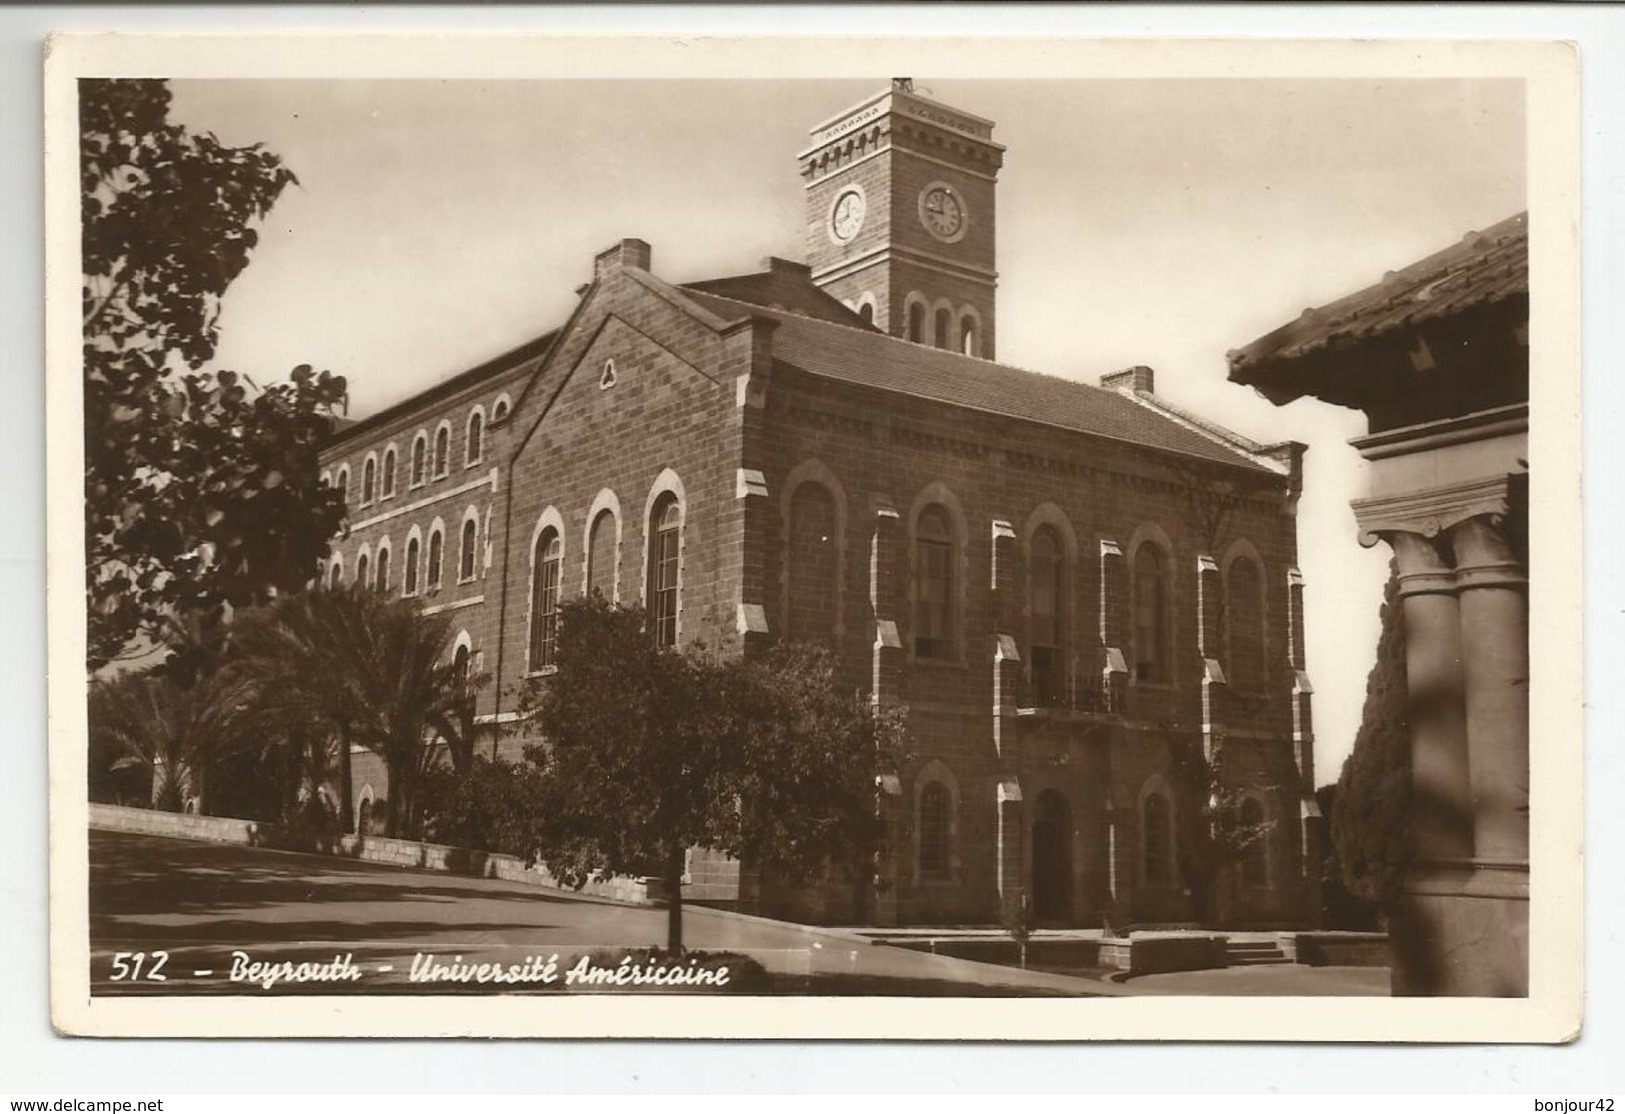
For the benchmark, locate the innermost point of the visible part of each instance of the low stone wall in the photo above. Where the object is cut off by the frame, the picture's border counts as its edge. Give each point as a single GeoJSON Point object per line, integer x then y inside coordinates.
{"type": "Point", "coordinates": [1336, 949]}
{"type": "Point", "coordinates": [373, 849]}
{"type": "Point", "coordinates": [1158, 953]}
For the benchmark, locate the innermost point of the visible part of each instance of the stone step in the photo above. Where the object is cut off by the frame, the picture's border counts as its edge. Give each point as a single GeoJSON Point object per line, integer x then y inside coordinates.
{"type": "Point", "coordinates": [1254, 953]}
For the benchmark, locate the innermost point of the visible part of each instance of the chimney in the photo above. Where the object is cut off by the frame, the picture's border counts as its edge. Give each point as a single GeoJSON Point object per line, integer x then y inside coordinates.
{"type": "Point", "coordinates": [778, 266]}
{"type": "Point", "coordinates": [1139, 379]}
{"type": "Point", "coordinates": [627, 253]}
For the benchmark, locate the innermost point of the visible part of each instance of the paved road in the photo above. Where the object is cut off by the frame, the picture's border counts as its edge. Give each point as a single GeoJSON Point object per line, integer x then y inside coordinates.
{"type": "Point", "coordinates": [200, 902]}
{"type": "Point", "coordinates": [1282, 980]}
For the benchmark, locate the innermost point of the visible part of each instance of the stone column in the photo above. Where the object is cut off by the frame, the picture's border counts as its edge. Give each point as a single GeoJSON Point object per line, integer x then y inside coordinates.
{"type": "Point", "coordinates": [1440, 784]}
{"type": "Point", "coordinates": [1495, 632]}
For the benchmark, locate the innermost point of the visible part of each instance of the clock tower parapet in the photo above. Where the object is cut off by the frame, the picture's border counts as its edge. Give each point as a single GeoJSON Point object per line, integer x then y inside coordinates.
{"type": "Point", "coordinates": [900, 216]}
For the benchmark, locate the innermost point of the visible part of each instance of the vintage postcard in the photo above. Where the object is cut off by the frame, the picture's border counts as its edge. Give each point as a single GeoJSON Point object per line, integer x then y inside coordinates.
{"type": "Point", "coordinates": [809, 538]}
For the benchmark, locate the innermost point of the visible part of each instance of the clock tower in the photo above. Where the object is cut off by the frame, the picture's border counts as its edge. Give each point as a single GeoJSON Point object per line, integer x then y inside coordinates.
{"type": "Point", "coordinates": [900, 220]}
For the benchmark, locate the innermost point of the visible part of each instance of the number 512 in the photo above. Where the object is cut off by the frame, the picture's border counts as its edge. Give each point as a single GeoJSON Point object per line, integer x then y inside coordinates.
{"type": "Point", "coordinates": [140, 965]}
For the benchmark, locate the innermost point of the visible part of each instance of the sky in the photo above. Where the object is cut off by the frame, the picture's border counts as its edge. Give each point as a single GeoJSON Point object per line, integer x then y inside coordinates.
{"type": "Point", "coordinates": [1158, 222]}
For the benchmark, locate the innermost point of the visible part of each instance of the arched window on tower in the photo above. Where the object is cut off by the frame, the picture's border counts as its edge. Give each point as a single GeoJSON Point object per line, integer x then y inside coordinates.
{"type": "Point", "coordinates": [811, 547]}
{"type": "Point", "coordinates": [945, 329]}
{"type": "Point", "coordinates": [1244, 614]}
{"type": "Point", "coordinates": [866, 312]}
{"type": "Point", "coordinates": [1150, 616]}
{"type": "Point", "coordinates": [1046, 579]}
{"type": "Point", "coordinates": [665, 536]}
{"type": "Point", "coordinates": [934, 584]}
{"type": "Point", "coordinates": [968, 343]}
{"type": "Point", "coordinates": [916, 322]}
{"type": "Point", "coordinates": [544, 600]}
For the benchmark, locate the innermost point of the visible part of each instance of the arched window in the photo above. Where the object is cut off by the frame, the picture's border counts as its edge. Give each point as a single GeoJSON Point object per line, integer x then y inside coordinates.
{"type": "Point", "coordinates": [436, 555]}
{"type": "Point", "coordinates": [361, 570]}
{"type": "Point", "coordinates": [388, 485]}
{"type": "Point", "coordinates": [420, 457]}
{"type": "Point", "coordinates": [544, 600]}
{"type": "Point", "coordinates": [381, 574]}
{"type": "Point", "coordinates": [934, 586]}
{"type": "Point", "coordinates": [465, 552]}
{"type": "Point", "coordinates": [866, 313]}
{"type": "Point", "coordinates": [945, 328]}
{"type": "Point", "coordinates": [409, 577]}
{"type": "Point", "coordinates": [665, 530]}
{"type": "Point", "coordinates": [442, 450]}
{"type": "Point", "coordinates": [1255, 863]}
{"type": "Point", "coordinates": [1244, 614]}
{"type": "Point", "coordinates": [1157, 838]}
{"type": "Point", "coordinates": [500, 410]}
{"type": "Point", "coordinates": [1150, 616]}
{"type": "Point", "coordinates": [967, 336]}
{"type": "Point", "coordinates": [812, 573]}
{"type": "Point", "coordinates": [344, 483]}
{"type": "Point", "coordinates": [935, 830]}
{"type": "Point", "coordinates": [601, 556]}
{"type": "Point", "coordinates": [474, 443]}
{"type": "Point", "coordinates": [335, 575]}
{"type": "Point", "coordinates": [1046, 580]}
{"type": "Point", "coordinates": [369, 474]}
{"type": "Point", "coordinates": [916, 322]}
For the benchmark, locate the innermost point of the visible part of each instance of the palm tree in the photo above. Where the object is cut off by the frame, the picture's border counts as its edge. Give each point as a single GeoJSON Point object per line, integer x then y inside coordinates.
{"type": "Point", "coordinates": [177, 734]}
{"type": "Point", "coordinates": [374, 671]}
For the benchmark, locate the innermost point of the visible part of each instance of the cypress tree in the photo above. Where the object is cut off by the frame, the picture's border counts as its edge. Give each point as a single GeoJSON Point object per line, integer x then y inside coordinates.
{"type": "Point", "coordinates": [1371, 823]}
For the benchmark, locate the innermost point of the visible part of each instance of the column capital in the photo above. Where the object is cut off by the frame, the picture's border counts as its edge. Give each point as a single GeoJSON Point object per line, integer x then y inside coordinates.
{"type": "Point", "coordinates": [1432, 512]}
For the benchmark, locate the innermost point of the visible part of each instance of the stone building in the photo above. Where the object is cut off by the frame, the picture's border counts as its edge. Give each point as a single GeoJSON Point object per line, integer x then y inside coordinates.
{"type": "Point", "coordinates": [1437, 356]}
{"type": "Point", "coordinates": [1068, 585]}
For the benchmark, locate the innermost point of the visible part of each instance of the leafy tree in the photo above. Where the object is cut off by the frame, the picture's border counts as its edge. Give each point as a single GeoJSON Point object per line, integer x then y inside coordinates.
{"type": "Point", "coordinates": [201, 488]}
{"type": "Point", "coordinates": [1213, 836]}
{"type": "Point", "coordinates": [650, 752]}
{"type": "Point", "coordinates": [1371, 825]}
{"type": "Point", "coordinates": [490, 806]}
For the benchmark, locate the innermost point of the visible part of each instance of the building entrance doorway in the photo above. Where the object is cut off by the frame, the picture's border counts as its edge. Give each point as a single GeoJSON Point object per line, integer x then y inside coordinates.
{"type": "Point", "coordinates": [1052, 858]}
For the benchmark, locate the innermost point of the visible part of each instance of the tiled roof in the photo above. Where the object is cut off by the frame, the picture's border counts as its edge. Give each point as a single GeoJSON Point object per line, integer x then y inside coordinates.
{"type": "Point", "coordinates": [786, 286]}
{"type": "Point", "coordinates": [1483, 269]}
{"type": "Point", "coordinates": [349, 428]}
{"type": "Point", "coordinates": [873, 359]}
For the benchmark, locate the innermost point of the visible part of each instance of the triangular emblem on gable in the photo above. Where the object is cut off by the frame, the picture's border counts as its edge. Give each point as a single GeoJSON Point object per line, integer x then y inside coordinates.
{"type": "Point", "coordinates": [606, 378]}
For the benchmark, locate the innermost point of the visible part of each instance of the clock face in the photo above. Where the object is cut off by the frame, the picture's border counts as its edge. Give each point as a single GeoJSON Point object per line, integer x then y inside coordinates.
{"type": "Point", "coordinates": [942, 211]}
{"type": "Point", "coordinates": [847, 216]}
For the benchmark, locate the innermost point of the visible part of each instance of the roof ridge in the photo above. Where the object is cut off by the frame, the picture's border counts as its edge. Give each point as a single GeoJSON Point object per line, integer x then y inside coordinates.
{"type": "Point", "coordinates": [1229, 438]}
{"type": "Point", "coordinates": [983, 360]}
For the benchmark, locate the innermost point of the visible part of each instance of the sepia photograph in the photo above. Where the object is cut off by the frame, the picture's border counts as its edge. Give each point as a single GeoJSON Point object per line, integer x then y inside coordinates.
{"type": "Point", "coordinates": [595, 537]}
